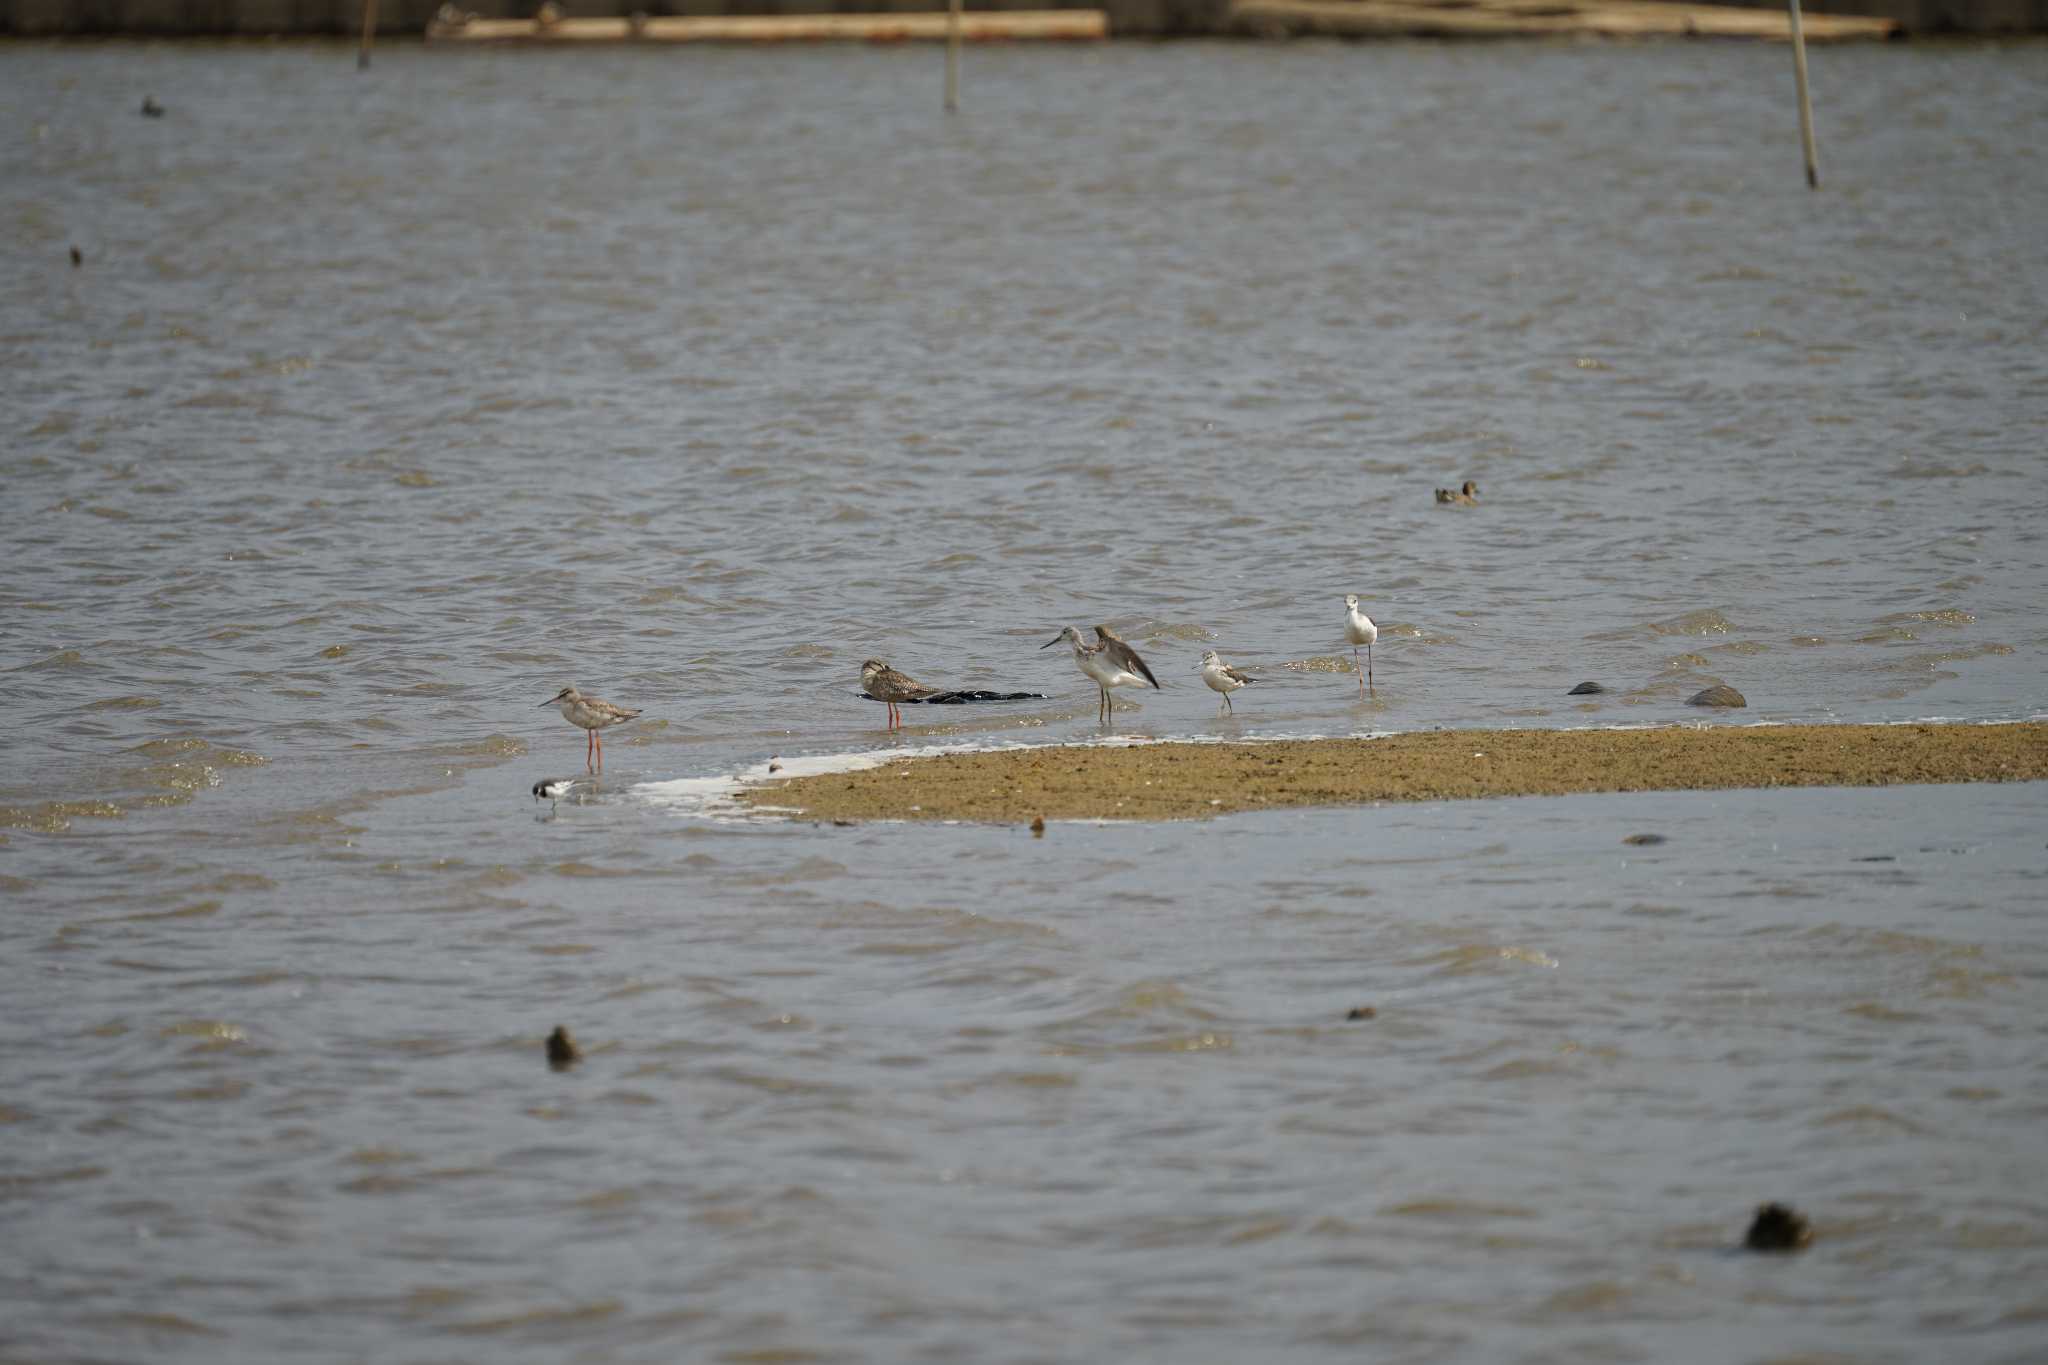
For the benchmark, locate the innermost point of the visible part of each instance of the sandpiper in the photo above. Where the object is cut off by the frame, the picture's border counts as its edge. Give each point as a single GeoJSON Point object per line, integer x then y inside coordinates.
{"type": "Point", "coordinates": [1359, 630]}
{"type": "Point", "coordinates": [886, 685]}
{"type": "Point", "coordinates": [1109, 661]}
{"type": "Point", "coordinates": [592, 715]}
{"type": "Point", "coordinates": [1221, 677]}
{"type": "Point", "coordinates": [1468, 496]}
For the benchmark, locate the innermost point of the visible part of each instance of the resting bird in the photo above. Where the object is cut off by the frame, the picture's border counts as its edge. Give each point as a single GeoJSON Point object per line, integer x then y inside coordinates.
{"type": "Point", "coordinates": [886, 685]}
{"type": "Point", "coordinates": [1468, 496]}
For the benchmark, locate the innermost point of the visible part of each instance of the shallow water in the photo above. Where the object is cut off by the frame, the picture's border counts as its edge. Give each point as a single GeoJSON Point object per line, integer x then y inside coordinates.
{"type": "Point", "coordinates": [381, 407]}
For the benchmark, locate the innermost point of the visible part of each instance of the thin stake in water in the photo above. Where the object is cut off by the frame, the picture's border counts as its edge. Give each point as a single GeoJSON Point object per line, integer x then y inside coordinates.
{"type": "Point", "coordinates": [1805, 99]}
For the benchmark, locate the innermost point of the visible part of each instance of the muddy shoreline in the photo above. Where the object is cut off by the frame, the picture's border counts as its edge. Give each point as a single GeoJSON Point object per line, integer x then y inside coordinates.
{"type": "Point", "coordinates": [1181, 781]}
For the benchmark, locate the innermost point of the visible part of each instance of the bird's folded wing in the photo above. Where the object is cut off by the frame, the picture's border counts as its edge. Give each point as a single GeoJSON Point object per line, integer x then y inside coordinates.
{"type": "Point", "coordinates": [1126, 658]}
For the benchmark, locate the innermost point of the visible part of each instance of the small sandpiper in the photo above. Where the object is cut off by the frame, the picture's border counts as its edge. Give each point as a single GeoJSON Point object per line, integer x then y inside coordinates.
{"type": "Point", "coordinates": [1109, 661]}
{"type": "Point", "coordinates": [1468, 496]}
{"type": "Point", "coordinates": [1359, 630]}
{"type": "Point", "coordinates": [592, 715]}
{"type": "Point", "coordinates": [1221, 677]}
{"type": "Point", "coordinates": [889, 687]}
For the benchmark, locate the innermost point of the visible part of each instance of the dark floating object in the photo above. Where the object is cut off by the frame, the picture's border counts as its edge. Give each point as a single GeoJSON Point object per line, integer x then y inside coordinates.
{"type": "Point", "coordinates": [1468, 496]}
{"type": "Point", "coordinates": [1585, 689]}
{"type": "Point", "coordinates": [77, 258]}
{"type": "Point", "coordinates": [1363, 1012]}
{"type": "Point", "coordinates": [562, 1050]}
{"type": "Point", "coordinates": [1716, 695]}
{"type": "Point", "coordinates": [960, 697]}
{"type": "Point", "coordinates": [1644, 839]}
{"type": "Point", "coordinates": [1038, 827]}
{"type": "Point", "coordinates": [842, 824]}
{"type": "Point", "coordinates": [775, 763]}
{"type": "Point", "coordinates": [150, 108]}
{"type": "Point", "coordinates": [1778, 1228]}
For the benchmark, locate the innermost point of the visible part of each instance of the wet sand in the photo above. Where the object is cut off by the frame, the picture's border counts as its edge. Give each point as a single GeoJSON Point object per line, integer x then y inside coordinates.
{"type": "Point", "coordinates": [1180, 781]}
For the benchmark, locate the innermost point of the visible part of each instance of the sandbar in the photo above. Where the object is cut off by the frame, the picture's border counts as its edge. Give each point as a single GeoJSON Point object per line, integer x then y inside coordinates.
{"type": "Point", "coordinates": [1182, 780]}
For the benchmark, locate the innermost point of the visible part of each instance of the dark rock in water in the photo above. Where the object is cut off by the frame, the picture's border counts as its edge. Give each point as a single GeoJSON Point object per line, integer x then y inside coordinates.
{"type": "Point", "coordinates": [562, 1049]}
{"type": "Point", "coordinates": [1716, 696]}
{"type": "Point", "coordinates": [1585, 689]}
{"type": "Point", "coordinates": [1362, 1012]}
{"type": "Point", "coordinates": [1644, 839]}
{"type": "Point", "coordinates": [1038, 827]}
{"type": "Point", "coordinates": [150, 108]}
{"type": "Point", "coordinates": [77, 258]}
{"type": "Point", "coordinates": [1778, 1228]}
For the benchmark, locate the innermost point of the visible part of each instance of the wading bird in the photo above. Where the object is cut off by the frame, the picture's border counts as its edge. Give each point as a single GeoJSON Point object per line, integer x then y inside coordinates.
{"type": "Point", "coordinates": [591, 715]}
{"type": "Point", "coordinates": [1359, 630]}
{"type": "Point", "coordinates": [1109, 661]}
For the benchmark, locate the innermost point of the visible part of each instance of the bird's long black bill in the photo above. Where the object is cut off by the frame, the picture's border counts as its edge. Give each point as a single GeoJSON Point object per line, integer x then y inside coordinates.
{"type": "Point", "coordinates": [1053, 641]}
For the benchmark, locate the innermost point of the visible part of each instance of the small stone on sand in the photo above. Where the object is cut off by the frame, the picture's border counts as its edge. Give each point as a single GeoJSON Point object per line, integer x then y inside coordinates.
{"type": "Point", "coordinates": [1716, 695]}
{"type": "Point", "coordinates": [562, 1050]}
{"type": "Point", "coordinates": [1778, 1228]}
{"type": "Point", "coordinates": [1585, 689]}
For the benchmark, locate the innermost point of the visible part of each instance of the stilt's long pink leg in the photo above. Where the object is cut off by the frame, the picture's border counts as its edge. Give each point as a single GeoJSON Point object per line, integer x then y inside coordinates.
{"type": "Point", "coordinates": [1368, 661]}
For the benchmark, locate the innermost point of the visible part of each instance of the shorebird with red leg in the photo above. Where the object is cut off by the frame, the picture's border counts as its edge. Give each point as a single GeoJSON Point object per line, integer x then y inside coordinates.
{"type": "Point", "coordinates": [889, 687]}
{"type": "Point", "coordinates": [591, 715]}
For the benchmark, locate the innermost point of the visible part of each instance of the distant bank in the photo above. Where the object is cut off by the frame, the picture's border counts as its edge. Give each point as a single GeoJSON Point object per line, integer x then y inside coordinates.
{"type": "Point", "coordinates": [1127, 18]}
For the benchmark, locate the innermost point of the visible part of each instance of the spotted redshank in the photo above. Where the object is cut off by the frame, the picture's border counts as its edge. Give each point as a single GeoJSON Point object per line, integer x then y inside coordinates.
{"type": "Point", "coordinates": [591, 715]}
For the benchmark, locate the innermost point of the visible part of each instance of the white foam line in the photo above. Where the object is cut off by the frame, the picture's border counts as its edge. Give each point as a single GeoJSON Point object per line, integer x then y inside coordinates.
{"type": "Point", "coordinates": [717, 797]}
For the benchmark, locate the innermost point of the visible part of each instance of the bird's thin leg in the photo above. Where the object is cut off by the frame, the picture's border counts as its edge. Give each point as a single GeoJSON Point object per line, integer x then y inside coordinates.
{"type": "Point", "coordinates": [1354, 667]}
{"type": "Point", "coordinates": [1226, 703]}
{"type": "Point", "coordinates": [589, 763]}
{"type": "Point", "coordinates": [1368, 661]}
{"type": "Point", "coordinates": [598, 740]}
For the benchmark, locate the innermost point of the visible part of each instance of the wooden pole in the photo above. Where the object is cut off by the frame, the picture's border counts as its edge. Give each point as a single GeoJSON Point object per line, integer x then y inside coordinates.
{"type": "Point", "coordinates": [952, 56]}
{"type": "Point", "coordinates": [369, 32]}
{"type": "Point", "coordinates": [1805, 99]}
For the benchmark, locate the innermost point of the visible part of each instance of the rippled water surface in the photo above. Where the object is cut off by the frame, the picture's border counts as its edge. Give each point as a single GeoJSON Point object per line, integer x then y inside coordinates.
{"type": "Point", "coordinates": [382, 406]}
